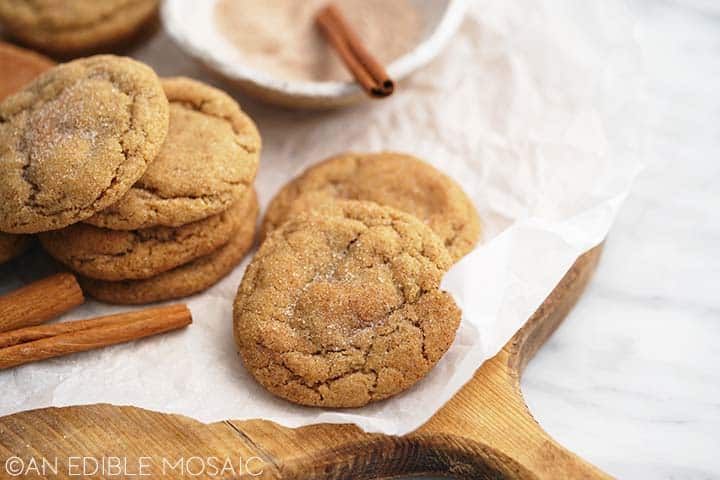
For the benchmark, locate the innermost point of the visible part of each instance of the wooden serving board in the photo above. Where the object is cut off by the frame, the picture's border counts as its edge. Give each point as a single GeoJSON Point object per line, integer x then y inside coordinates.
{"type": "Point", "coordinates": [484, 431]}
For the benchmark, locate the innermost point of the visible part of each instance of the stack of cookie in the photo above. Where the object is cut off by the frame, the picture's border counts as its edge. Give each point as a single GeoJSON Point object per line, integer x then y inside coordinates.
{"type": "Point", "coordinates": [141, 186]}
{"type": "Point", "coordinates": [341, 305]}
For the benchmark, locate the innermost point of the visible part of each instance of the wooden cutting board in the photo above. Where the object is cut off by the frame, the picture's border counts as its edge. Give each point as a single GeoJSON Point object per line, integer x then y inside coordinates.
{"type": "Point", "coordinates": [484, 431]}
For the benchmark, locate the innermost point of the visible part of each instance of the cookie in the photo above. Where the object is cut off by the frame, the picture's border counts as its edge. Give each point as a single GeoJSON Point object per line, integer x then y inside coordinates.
{"type": "Point", "coordinates": [12, 246]}
{"type": "Point", "coordinates": [76, 139]}
{"type": "Point", "coordinates": [20, 66]}
{"type": "Point", "coordinates": [393, 179]}
{"type": "Point", "coordinates": [341, 311]}
{"type": "Point", "coordinates": [75, 26]}
{"type": "Point", "coordinates": [183, 281]}
{"type": "Point", "coordinates": [209, 161]}
{"type": "Point", "coordinates": [115, 255]}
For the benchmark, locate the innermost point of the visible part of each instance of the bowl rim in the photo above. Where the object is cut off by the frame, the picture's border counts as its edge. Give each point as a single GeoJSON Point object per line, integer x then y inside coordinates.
{"type": "Point", "coordinates": [423, 53]}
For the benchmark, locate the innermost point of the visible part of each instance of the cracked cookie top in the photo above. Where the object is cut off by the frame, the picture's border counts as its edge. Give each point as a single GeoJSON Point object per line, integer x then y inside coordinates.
{"type": "Point", "coordinates": [343, 310]}
{"type": "Point", "coordinates": [72, 26]}
{"type": "Point", "coordinates": [209, 160]}
{"type": "Point", "coordinates": [393, 179]}
{"type": "Point", "coordinates": [116, 255]}
{"type": "Point", "coordinates": [76, 139]}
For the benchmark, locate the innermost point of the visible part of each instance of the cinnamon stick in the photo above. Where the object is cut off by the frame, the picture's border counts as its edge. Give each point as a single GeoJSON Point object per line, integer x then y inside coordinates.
{"type": "Point", "coordinates": [39, 302]}
{"type": "Point", "coordinates": [366, 69]}
{"type": "Point", "coordinates": [30, 334]}
{"type": "Point", "coordinates": [103, 331]}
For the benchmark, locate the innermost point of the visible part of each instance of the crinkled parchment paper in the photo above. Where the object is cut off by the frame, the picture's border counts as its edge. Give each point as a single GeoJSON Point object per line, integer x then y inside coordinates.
{"type": "Point", "coordinates": [533, 108]}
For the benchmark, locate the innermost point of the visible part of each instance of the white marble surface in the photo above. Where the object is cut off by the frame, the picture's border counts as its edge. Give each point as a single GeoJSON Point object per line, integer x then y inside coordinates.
{"type": "Point", "coordinates": [631, 381]}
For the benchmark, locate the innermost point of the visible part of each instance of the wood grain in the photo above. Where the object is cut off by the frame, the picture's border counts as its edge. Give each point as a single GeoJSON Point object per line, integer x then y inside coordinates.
{"type": "Point", "coordinates": [484, 431]}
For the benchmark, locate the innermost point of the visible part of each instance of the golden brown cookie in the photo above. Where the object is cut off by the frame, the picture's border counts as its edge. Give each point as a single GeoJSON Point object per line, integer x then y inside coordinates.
{"type": "Point", "coordinates": [76, 139]}
{"type": "Point", "coordinates": [209, 161]}
{"type": "Point", "coordinates": [12, 245]}
{"type": "Point", "coordinates": [75, 26]}
{"type": "Point", "coordinates": [393, 179]}
{"type": "Point", "coordinates": [115, 255]}
{"type": "Point", "coordinates": [19, 67]}
{"type": "Point", "coordinates": [340, 311]}
{"type": "Point", "coordinates": [183, 281]}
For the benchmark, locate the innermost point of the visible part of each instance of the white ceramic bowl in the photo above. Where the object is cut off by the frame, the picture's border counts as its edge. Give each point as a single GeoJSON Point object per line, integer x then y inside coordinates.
{"type": "Point", "coordinates": [200, 38]}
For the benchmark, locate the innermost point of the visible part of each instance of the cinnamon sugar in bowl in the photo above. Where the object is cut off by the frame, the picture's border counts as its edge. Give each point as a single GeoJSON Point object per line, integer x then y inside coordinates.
{"type": "Point", "coordinates": [271, 50]}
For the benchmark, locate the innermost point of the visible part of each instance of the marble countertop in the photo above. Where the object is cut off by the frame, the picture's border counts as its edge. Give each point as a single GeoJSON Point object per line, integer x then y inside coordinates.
{"type": "Point", "coordinates": [631, 380]}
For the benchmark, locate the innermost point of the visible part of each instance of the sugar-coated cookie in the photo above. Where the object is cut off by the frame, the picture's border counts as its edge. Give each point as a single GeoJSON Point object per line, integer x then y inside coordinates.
{"type": "Point", "coordinates": [344, 310]}
{"type": "Point", "coordinates": [115, 255]}
{"type": "Point", "coordinates": [76, 139]}
{"type": "Point", "coordinates": [393, 179]}
{"type": "Point", "coordinates": [208, 162]}
{"type": "Point", "coordinates": [69, 27]}
{"type": "Point", "coordinates": [183, 281]}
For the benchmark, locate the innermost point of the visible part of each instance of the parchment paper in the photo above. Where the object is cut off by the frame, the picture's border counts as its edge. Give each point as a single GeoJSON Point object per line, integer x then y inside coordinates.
{"type": "Point", "coordinates": [535, 109]}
